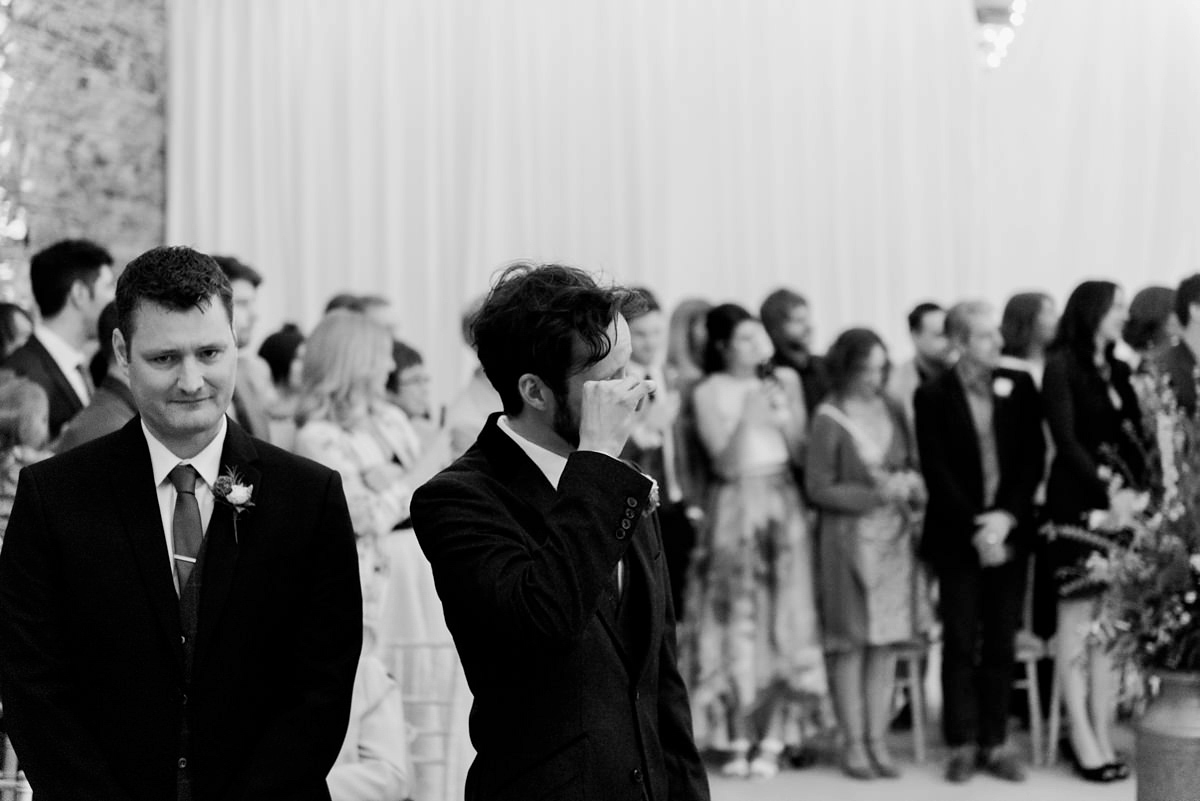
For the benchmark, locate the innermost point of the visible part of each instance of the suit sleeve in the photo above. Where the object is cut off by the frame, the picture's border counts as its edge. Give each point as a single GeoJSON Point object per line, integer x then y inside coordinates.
{"type": "Point", "coordinates": [303, 742]}
{"type": "Point", "coordinates": [934, 449]}
{"type": "Point", "coordinates": [1069, 451]}
{"type": "Point", "coordinates": [41, 696]}
{"type": "Point", "coordinates": [530, 596]}
{"type": "Point", "coordinates": [686, 777]}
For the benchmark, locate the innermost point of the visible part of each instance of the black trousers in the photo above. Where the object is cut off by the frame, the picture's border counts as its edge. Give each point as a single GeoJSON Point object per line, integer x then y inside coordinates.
{"type": "Point", "coordinates": [981, 612]}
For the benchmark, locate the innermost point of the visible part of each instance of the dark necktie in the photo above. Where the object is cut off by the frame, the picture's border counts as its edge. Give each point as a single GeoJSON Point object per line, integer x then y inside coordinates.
{"type": "Point", "coordinates": [187, 531]}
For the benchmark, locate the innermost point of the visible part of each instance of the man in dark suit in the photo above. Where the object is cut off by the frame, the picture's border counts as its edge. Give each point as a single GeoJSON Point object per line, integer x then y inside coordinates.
{"type": "Point", "coordinates": [72, 282]}
{"type": "Point", "coordinates": [788, 321]}
{"type": "Point", "coordinates": [112, 405]}
{"type": "Point", "coordinates": [180, 608]}
{"type": "Point", "coordinates": [1179, 361]}
{"type": "Point", "coordinates": [548, 559]}
{"type": "Point", "coordinates": [255, 392]}
{"type": "Point", "coordinates": [979, 430]}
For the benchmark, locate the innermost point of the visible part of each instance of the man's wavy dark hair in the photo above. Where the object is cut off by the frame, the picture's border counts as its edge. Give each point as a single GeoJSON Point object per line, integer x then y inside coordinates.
{"type": "Point", "coordinates": [176, 278]}
{"type": "Point", "coordinates": [548, 320]}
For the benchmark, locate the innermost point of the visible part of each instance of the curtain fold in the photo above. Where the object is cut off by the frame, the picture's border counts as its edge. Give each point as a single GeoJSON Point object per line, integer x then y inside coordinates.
{"type": "Point", "coordinates": [853, 151]}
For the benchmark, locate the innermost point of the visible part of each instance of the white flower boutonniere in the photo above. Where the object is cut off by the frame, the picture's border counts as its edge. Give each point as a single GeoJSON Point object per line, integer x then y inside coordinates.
{"type": "Point", "coordinates": [230, 491]}
{"type": "Point", "coordinates": [1002, 386]}
{"type": "Point", "coordinates": [653, 503]}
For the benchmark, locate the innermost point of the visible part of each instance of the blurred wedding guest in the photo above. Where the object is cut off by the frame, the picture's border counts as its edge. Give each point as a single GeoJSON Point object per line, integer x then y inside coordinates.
{"type": "Point", "coordinates": [686, 336]}
{"type": "Point", "coordinates": [1094, 418]}
{"type": "Point", "coordinates": [24, 430]}
{"type": "Point", "coordinates": [15, 328]}
{"type": "Point", "coordinates": [788, 321]}
{"type": "Point", "coordinates": [654, 443]}
{"type": "Point", "coordinates": [752, 609]}
{"type": "Point", "coordinates": [979, 429]}
{"type": "Point", "coordinates": [1180, 360]}
{"type": "Point", "coordinates": [469, 410]}
{"type": "Point", "coordinates": [72, 282]}
{"type": "Point", "coordinates": [861, 476]}
{"type": "Point", "coordinates": [931, 356]}
{"type": "Point", "coordinates": [380, 309]}
{"type": "Point", "coordinates": [112, 406]}
{"type": "Point", "coordinates": [1027, 327]}
{"type": "Point", "coordinates": [1153, 326]}
{"type": "Point", "coordinates": [373, 764]}
{"type": "Point", "coordinates": [283, 352]}
{"type": "Point", "coordinates": [409, 388]}
{"type": "Point", "coordinates": [254, 393]}
{"type": "Point", "coordinates": [346, 300]}
{"type": "Point", "coordinates": [344, 420]}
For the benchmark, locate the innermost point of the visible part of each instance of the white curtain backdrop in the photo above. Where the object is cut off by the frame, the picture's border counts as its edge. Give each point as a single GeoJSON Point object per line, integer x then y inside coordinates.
{"type": "Point", "coordinates": [719, 149]}
{"type": "Point", "coordinates": [1091, 148]}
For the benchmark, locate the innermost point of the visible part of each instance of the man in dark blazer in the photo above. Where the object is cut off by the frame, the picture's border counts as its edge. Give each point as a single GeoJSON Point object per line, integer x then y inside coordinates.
{"type": "Point", "coordinates": [979, 430]}
{"type": "Point", "coordinates": [180, 607]}
{"type": "Point", "coordinates": [112, 406]}
{"type": "Point", "coordinates": [548, 559]}
{"type": "Point", "coordinates": [72, 282]}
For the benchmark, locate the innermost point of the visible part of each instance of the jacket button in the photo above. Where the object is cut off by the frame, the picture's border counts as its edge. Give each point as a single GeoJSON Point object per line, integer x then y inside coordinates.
{"type": "Point", "coordinates": [630, 513]}
{"type": "Point", "coordinates": [620, 534]}
{"type": "Point", "coordinates": [632, 502]}
{"type": "Point", "coordinates": [635, 775]}
{"type": "Point", "coordinates": [184, 699]}
{"type": "Point", "coordinates": [625, 524]}
{"type": "Point", "coordinates": [182, 763]}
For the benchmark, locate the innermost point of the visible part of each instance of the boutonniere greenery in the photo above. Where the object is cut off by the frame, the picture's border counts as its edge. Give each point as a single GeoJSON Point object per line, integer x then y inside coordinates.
{"type": "Point", "coordinates": [1002, 386]}
{"type": "Point", "coordinates": [230, 491]}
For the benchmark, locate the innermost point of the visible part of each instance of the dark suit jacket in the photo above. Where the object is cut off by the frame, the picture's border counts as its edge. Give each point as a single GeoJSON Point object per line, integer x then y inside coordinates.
{"type": "Point", "coordinates": [91, 658]}
{"type": "Point", "coordinates": [33, 361]}
{"type": "Point", "coordinates": [1180, 364]}
{"type": "Point", "coordinates": [567, 703]}
{"type": "Point", "coordinates": [953, 467]}
{"type": "Point", "coordinates": [1085, 423]}
{"type": "Point", "coordinates": [111, 408]}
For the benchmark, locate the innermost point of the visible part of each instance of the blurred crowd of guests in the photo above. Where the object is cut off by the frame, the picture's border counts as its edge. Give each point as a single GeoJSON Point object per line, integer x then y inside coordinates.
{"type": "Point", "coordinates": [820, 511]}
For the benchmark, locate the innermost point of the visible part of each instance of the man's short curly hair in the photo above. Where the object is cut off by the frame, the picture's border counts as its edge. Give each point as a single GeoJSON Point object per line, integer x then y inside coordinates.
{"type": "Point", "coordinates": [533, 319]}
{"type": "Point", "coordinates": [177, 278]}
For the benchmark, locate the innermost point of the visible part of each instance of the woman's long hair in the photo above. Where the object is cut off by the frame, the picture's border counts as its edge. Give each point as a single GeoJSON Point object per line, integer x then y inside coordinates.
{"type": "Point", "coordinates": [343, 367]}
{"type": "Point", "coordinates": [1081, 317]}
{"type": "Point", "coordinates": [1020, 321]}
{"type": "Point", "coordinates": [720, 323]}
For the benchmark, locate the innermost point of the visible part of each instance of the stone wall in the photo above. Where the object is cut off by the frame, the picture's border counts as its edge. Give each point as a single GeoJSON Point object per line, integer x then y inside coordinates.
{"type": "Point", "coordinates": [82, 128]}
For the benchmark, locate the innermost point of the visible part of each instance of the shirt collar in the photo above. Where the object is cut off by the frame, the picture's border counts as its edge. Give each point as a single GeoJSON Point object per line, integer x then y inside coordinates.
{"type": "Point", "coordinates": [59, 349]}
{"type": "Point", "coordinates": [207, 462]}
{"type": "Point", "coordinates": [550, 463]}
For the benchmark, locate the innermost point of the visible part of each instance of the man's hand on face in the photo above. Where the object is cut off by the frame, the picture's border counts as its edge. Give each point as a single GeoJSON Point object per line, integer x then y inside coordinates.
{"type": "Point", "coordinates": [609, 413]}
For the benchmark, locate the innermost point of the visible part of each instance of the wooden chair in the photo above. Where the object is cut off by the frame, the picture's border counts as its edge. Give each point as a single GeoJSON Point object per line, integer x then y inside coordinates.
{"type": "Point", "coordinates": [13, 786]}
{"type": "Point", "coordinates": [429, 676]}
{"type": "Point", "coordinates": [1031, 649]}
{"type": "Point", "coordinates": [910, 659]}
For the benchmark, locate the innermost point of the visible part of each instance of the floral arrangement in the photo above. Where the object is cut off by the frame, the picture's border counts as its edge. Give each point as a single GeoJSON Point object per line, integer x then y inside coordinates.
{"type": "Point", "coordinates": [1150, 611]}
{"type": "Point", "coordinates": [230, 491]}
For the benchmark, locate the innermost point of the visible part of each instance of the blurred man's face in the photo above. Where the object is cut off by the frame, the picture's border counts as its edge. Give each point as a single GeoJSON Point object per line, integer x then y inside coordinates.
{"type": "Point", "coordinates": [930, 339]}
{"type": "Point", "coordinates": [245, 310]}
{"type": "Point", "coordinates": [983, 343]}
{"type": "Point", "coordinates": [101, 293]}
{"type": "Point", "coordinates": [649, 335]}
{"type": "Point", "coordinates": [797, 327]}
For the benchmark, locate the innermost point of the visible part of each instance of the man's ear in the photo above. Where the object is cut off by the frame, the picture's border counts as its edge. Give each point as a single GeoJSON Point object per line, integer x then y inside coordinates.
{"type": "Point", "coordinates": [80, 293]}
{"type": "Point", "coordinates": [534, 391]}
{"type": "Point", "coordinates": [120, 348]}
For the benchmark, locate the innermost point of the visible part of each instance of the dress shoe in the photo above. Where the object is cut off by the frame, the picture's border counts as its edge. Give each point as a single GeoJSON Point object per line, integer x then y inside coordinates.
{"type": "Point", "coordinates": [961, 766]}
{"type": "Point", "coordinates": [1001, 765]}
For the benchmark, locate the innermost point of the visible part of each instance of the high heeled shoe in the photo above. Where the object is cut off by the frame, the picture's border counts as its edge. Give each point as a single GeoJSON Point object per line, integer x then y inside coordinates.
{"type": "Point", "coordinates": [855, 762]}
{"type": "Point", "coordinates": [1120, 769]}
{"type": "Point", "coordinates": [881, 760]}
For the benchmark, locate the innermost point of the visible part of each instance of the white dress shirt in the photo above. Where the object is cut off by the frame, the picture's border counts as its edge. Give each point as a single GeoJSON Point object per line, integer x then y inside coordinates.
{"type": "Point", "coordinates": [552, 466]}
{"type": "Point", "coordinates": [67, 358]}
{"type": "Point", "coordinates": [207, 463]}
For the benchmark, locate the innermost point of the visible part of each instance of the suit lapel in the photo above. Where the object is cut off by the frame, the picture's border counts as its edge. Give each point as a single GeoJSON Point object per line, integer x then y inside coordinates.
{"type": "Point", "coordinates": [226, 536]}
{"type": "Point", "coordinates": [970, 443]}
{"type": "Point", "coordinates": [133, 480]}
